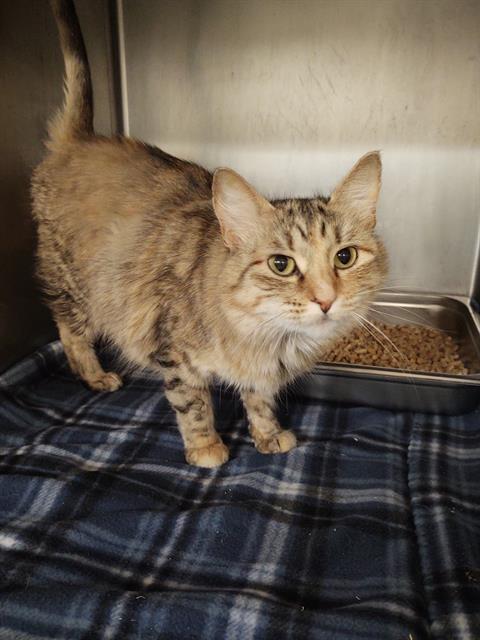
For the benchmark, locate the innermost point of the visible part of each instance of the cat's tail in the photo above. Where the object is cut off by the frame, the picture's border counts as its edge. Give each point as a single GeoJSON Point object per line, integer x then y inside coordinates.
{"type": "Point", "coordinates": [75, 118]}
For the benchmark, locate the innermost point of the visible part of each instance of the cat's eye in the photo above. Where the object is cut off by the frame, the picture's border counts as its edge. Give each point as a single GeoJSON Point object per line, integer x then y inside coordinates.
{"type": "Point", "coordinates": [345, 258]}
{"type": "Point", "coordinates": [282, 265]}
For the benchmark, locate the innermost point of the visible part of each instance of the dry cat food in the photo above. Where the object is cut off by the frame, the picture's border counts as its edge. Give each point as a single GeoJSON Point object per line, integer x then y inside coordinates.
{"type": "Point", "coordinates": [416, 349]}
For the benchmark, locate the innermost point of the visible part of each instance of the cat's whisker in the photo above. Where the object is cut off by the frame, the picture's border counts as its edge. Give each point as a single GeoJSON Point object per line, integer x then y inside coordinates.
{"type": "Point", "coordinates": [264, 338]}
{"type": "Point", "coordinates": [258, 327]}
{"type": "Point", "coordinates": [371, 324]}
{"type": "Point", "coordinates": [423, 320]}
{"type": "Point", "coordinates": [385, 289]}
{"type": "Point", "coordinates": [405, 361]}
{"type": "Point", "coordinates": [375, 337]}
{"type": "Point", "coordinates": [397, 317]}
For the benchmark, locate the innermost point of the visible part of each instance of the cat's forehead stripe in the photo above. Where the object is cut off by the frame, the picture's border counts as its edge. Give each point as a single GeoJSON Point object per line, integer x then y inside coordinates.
{"type": "Point", "coordinates": [301, 231]}
{"type": "Point", "coordinates": [289, 239]}
{"type": "Point", "coordinates": [301, 220]}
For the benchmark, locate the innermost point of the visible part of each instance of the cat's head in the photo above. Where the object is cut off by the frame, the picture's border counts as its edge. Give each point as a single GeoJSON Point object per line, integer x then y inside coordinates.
{"type": "Point", "coordinates": [302, 264]}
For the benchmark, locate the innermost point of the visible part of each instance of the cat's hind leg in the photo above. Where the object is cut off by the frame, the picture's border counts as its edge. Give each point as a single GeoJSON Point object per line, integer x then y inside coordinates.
{"type": "Point", "coordinates": [83, 360]}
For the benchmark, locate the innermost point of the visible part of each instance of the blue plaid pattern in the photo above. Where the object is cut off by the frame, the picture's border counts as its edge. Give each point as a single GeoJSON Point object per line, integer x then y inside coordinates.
{"type": "Point", "coordinates": [370, 529]}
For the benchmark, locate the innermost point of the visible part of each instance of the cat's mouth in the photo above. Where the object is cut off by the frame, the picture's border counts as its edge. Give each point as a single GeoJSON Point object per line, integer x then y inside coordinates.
{"type": "Point", "coordinates": [309, 322]}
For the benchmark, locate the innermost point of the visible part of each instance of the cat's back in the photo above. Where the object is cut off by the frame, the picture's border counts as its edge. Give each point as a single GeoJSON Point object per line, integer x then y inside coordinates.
{"type": "Point", "coordinates": [92, 181]}
{"type": "Point", "coordinates": [93, 195]}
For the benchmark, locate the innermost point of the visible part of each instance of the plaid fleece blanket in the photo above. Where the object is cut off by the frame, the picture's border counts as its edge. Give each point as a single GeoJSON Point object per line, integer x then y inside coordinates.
{"type": "Point", "coordinates": [369, 529]}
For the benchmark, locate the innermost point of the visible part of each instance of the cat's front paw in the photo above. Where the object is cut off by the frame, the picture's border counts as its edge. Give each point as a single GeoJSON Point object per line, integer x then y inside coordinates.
{"type": "Point", "coordinates": [280, 442]}
{"type": "Point", "coordinates": [211, 456]}
{"type": "Point", "coordinates": [106, 382]}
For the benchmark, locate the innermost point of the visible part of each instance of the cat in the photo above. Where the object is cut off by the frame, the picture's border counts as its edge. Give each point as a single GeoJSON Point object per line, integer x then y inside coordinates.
{"type": "Point", "coordinates": [192, 275]}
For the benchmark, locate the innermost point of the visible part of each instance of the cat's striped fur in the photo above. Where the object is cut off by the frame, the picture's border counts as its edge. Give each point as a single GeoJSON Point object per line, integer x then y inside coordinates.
{"type": "Point", "coordinates": [133, 247]}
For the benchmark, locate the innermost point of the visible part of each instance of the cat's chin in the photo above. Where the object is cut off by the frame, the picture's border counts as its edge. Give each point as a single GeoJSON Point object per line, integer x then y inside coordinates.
{"type": "Point", "coordinates": [325, 328]}
{"type": "Point", "coordinates": [316, 322]}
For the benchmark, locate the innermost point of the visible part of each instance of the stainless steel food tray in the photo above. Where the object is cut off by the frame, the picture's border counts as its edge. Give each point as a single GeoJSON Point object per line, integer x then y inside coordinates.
{"type": "Point", "coordinates": [405, 390]}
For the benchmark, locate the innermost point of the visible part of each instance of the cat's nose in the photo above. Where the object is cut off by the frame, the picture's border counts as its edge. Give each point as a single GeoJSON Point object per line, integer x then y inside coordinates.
{"type": "Point", "coordinates": [325, 304]}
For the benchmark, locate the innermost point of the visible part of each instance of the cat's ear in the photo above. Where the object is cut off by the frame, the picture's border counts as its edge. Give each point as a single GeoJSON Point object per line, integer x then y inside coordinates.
{"type": "Point", "coordinates": [240, 210]}
{"type": "Point", "coordinates": [358, 192]}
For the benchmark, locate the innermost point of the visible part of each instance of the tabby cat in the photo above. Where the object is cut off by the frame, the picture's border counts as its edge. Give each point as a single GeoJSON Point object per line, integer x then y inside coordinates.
{"type": "Point", "coordinates": [194, 276]}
